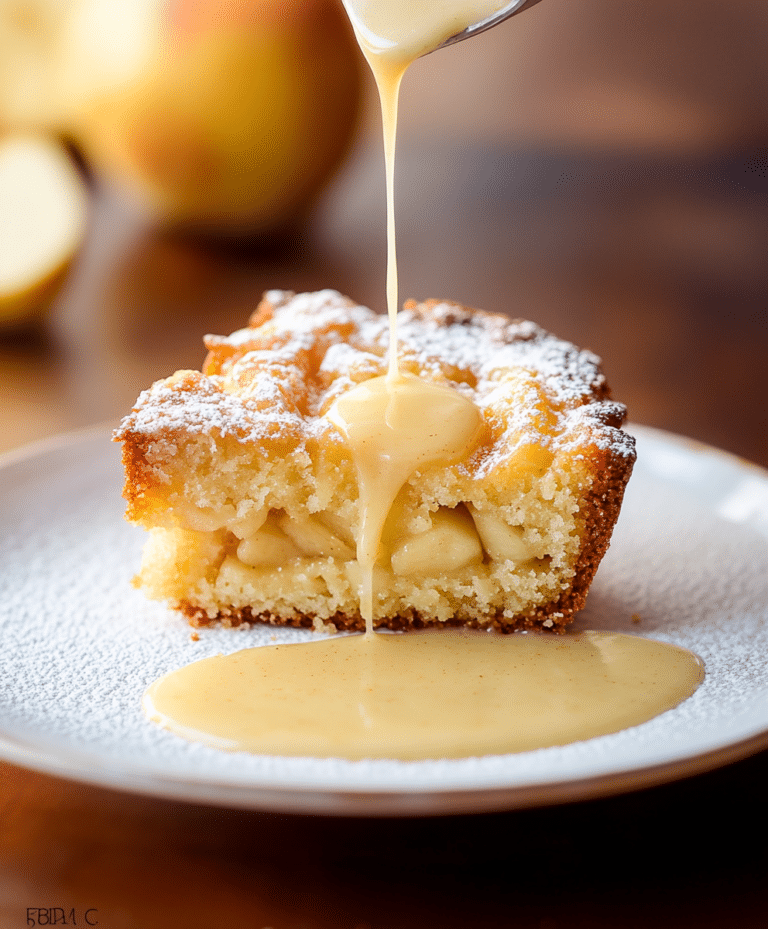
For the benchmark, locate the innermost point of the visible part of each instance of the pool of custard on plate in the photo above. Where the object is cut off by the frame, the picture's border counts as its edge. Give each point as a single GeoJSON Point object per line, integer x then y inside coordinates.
{"type": "Point", "coordinates": [440, 694]}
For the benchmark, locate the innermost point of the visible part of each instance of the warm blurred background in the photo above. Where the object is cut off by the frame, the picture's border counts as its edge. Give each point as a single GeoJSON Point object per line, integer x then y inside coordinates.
{"type": "Point", "coordinates": [599, 166]}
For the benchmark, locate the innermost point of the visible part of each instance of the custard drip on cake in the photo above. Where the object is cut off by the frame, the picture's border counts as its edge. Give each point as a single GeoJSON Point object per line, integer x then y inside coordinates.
{"type": "Point", "coordinates": [250, 492]}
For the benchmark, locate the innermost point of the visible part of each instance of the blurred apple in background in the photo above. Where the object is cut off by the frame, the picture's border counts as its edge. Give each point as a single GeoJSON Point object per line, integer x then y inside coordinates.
{"type": "Point", "coordinates": [43, 210]}
{"type": "Point", "coordinates": [222, 116]}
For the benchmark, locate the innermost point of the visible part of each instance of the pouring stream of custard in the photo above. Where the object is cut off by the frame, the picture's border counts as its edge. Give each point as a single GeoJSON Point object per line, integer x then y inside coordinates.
{"type": "Point", "coordinates": [392, 35]}
{"type": "Point", "coordinates": [397, 423]}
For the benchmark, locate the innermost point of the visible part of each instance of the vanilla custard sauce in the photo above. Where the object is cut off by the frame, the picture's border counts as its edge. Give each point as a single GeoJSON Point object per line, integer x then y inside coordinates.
{"type": "Point", "coordinates": [441, 694]}
{"type": "Point", "coordinates": [395, 423]}
{"type": "Point", "coordinates": [437, 694]}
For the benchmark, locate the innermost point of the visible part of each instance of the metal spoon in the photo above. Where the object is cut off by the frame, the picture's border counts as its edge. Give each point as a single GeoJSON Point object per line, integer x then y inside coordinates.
{"type": "Point", "coordinates": [516, 6]}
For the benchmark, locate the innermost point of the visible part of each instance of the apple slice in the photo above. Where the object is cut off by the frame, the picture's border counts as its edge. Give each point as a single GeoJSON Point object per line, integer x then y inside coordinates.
{"type": "Point", "coordinates": [43, 211]}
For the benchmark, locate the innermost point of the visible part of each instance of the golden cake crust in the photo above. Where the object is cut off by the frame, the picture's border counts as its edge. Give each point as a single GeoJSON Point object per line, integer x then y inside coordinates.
{"type": "Point", "coordinates": [549, 417]}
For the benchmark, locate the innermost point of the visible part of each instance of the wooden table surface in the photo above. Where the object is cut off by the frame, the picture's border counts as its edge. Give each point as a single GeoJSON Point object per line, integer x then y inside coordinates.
{"type": "Point", "coordinates": [657, 263]}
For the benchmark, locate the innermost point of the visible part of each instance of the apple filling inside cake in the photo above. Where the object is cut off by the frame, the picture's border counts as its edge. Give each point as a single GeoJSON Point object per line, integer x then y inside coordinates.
{"type": "Point", "coordinates": [250, 493]}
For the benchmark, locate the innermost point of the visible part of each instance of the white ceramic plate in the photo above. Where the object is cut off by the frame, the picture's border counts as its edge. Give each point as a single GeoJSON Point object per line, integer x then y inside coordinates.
{"type": "Point", "coordinates": [79, 645]}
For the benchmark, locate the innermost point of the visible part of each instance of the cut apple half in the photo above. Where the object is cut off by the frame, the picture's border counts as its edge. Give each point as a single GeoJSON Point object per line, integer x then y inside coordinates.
{"type": "Point", "coordinates": [43, 212]}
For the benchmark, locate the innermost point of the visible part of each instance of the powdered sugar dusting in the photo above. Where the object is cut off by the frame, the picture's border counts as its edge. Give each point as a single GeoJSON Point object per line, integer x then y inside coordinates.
{"type": "Point", "coordinates": [301, 351]}
{"type": "Point", "coordinates": [205, 408]}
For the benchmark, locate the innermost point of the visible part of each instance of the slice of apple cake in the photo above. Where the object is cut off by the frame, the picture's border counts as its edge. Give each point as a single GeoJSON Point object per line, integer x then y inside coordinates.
{"type": "Point", "coordinates": [250, 494]}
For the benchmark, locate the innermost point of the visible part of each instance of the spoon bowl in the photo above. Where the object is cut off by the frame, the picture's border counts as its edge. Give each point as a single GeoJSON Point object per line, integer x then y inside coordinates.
{"type": "Point", "coordinates": [404, 30]}
{"type": "Point", "coordinates": [509, 9]}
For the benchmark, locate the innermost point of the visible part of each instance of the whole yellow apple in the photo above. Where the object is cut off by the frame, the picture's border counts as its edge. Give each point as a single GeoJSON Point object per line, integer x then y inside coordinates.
{"type": "Point", "coordinates": [226, 116]}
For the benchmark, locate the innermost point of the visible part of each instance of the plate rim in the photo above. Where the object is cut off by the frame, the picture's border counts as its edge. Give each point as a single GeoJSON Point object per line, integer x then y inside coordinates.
{"type": "Point", "coordinates": [395, 802]}
{"type": "Point", "coordinates": [48, 757]}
